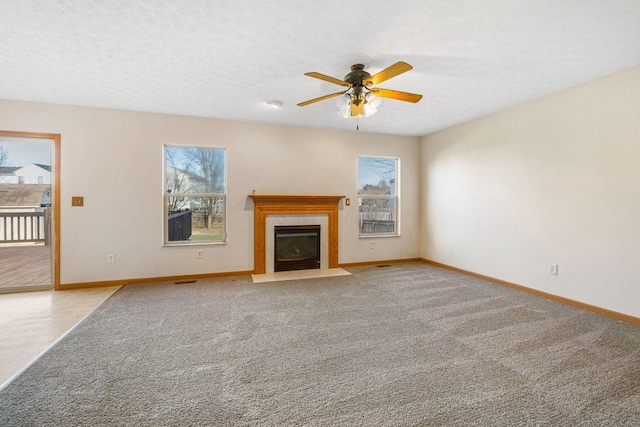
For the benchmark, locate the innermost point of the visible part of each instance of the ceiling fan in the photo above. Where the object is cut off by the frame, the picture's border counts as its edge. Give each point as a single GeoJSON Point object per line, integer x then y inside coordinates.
{"type": "Point", "coordinates": [361, 98]}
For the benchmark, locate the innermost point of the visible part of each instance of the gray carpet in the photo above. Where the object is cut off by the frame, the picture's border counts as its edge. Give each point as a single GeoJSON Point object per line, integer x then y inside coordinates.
{"type": "Point", "coordinates": [403, 345]}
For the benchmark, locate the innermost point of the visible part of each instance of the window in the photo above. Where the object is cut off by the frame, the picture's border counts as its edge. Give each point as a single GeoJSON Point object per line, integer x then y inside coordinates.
{"type": "Point", "coordinates": [194, 195]}
{"type": "Point", "coordinates": [378, 191]}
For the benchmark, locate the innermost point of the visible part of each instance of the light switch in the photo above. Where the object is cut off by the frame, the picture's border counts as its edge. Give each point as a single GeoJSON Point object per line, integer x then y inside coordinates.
{"type": "Point", "coordinates": [77, 201]}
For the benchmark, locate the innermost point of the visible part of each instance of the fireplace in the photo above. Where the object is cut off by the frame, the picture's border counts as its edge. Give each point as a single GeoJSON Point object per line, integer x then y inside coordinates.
{"type": "Point", "coordinates": [296, 247]}
{"type": "Point", "coordinates": [274, 210]}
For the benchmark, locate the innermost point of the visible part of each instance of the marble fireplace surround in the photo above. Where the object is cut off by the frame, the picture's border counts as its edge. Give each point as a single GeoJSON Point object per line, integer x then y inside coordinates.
{"type": "Point", "coordinates": [301, 209]}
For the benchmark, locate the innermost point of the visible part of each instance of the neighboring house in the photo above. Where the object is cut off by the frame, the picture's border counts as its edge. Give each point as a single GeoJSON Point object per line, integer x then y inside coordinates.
{"type": "Point", "coordinates": [23, 197]}
{"type": "Point", "coordinates": [34, 173]}
{"type": "Point", "coordinates": [8, 174]}
{"type": "Point", "coordinates": [181, 181]}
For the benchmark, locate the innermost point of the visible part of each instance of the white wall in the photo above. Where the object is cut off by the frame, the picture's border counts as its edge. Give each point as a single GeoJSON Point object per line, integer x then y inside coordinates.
{"type": "Point", "coordinates": [556, 180]}
{"type": "Point", "coordinates": [114, 159]}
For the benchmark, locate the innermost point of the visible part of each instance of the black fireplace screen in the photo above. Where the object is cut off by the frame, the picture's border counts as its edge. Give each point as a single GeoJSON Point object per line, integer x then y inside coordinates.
{"type": "Point", "coordinates": [297, 247]}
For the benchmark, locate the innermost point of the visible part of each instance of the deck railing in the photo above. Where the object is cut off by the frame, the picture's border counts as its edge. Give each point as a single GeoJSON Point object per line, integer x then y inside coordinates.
{"type": "Point", "coordinates": [23, 227]}
{"type": "Point", "coordinates": [374, 220]}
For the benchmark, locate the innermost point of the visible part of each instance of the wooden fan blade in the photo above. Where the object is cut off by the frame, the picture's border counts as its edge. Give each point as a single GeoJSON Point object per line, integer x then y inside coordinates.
{"type": "Point", "coordinates": [395, 94]}
{"type": "Point", "coordinates": [322, 98]}
{"type": "Point", "coordinates": [327, 78]}
{"type": "Point", "coordinates": [387, 73]}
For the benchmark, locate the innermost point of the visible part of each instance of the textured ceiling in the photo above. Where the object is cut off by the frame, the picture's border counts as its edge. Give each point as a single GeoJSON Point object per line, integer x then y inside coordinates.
{"type": "Point", "coordinates": [225, 59]}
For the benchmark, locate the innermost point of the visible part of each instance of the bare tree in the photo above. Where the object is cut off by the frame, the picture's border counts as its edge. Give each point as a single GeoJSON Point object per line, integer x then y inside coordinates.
{"type": "Point", "coordinates": [208, 166]}
{"type": "Point", "coordinates": [176, 179]}
{"type": "Point", "coordinates": [383, 167]}
{"type": "Point", "coordinates": [381, 189]}
{"type": "Point", "coordinates": [4, 156]}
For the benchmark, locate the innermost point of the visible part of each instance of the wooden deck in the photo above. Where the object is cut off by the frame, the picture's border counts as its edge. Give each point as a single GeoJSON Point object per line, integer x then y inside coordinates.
{"type": "Point", "coordinates": [25, 265]}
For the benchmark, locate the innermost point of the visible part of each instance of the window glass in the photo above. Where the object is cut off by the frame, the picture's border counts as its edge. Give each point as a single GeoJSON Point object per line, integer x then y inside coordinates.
{"type": "Point", "coordinates": [378, 195]}
{"type": "Point", "coordinates": [194, 195]}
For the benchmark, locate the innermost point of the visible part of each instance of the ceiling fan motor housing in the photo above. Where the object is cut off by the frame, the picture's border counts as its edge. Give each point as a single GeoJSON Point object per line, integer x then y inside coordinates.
{"type": "Point", "coordinates": [357, 75]}
{"type": "Point", "coordinates": [356, 79]}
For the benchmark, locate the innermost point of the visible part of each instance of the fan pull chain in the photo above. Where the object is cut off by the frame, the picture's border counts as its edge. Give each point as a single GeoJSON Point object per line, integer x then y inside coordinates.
{"type": "Point", "coordinates": [357, 123]}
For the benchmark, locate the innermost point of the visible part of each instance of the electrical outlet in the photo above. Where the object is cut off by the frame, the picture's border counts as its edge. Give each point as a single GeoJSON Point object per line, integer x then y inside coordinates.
{"type": "Point", "coordinates": [199, 254]}
{"type": "Point", "coordinates": [373, 244]}
{"type": "Point", "coordinates": [111, 258]}
{"type": "Point", "coordinates": [553, 269]}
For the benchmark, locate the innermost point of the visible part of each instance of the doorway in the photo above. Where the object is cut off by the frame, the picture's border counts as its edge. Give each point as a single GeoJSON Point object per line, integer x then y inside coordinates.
{"type": "Point", "coordinates": [29, 212]}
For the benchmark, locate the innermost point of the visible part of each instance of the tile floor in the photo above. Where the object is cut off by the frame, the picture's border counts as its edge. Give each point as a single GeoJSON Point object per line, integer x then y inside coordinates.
{"type": "Point", "coordinates": [31, 321]}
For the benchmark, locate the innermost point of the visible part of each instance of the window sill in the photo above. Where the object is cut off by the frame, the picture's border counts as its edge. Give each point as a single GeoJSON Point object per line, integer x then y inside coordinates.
{"type": "Point", "coordinates": [191, 244]}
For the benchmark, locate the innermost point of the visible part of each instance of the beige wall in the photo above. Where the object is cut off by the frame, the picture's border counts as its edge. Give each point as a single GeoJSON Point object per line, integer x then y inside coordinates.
{"type": "Point", "coordinates": [114, 159]}
{"type": "Point", "coordinates": [556, 180]}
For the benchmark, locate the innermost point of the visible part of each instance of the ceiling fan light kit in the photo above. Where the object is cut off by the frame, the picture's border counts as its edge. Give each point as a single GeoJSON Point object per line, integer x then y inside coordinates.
{"type": "Point", "coordinates": [361, 98]}
{"type": "Point", "coordinates": [365, 107]}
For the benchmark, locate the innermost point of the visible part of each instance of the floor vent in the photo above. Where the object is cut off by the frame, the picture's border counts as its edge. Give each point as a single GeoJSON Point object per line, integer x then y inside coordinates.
{"type": "Point", "coordinates": [182, 282]}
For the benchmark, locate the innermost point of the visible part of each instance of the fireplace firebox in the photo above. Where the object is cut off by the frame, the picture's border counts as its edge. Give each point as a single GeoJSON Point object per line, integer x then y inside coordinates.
{"type": "Point", "coordinates": [297, 247]}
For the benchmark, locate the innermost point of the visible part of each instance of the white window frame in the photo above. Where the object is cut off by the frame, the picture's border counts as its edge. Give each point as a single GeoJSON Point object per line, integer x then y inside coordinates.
{"type": "Point", "coordinates": [167, 195]}
{"type": "Point", "coordinates": [395, 198]}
